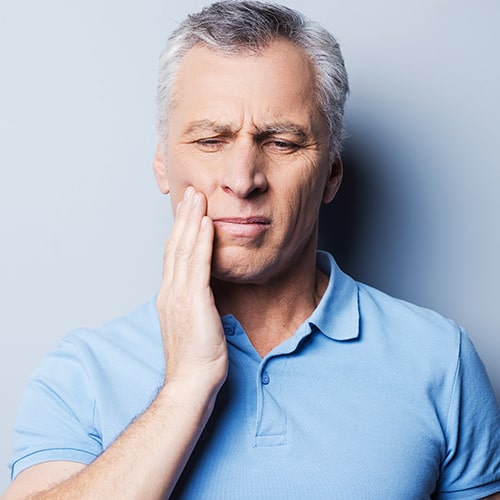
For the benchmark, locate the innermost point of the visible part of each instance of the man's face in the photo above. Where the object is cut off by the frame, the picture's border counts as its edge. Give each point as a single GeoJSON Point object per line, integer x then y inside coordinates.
{"type": "Point", "coordinates": [246, 132]}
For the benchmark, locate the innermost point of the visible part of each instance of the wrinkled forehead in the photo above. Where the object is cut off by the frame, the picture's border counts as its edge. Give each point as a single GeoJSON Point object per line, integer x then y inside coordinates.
{"type": "Point", "coordinates": [288, 62]}
{"type": "Point", "coordinates": [270, 93]}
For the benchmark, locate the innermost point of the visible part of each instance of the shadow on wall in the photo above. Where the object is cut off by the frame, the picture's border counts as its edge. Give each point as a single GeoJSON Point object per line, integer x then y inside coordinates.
{"type": "Point", "coordinates": [345, 224]}
{"type": "Point", "coordinates": [374, 226]}
{"type": "Point", "coordinates": [341, 221]}
{"type": "Point", "coordinates": [388, 227]}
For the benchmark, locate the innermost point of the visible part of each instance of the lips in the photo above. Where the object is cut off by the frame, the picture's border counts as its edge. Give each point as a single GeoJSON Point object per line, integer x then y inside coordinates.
{"type": "Point", "coordinates": [245, 227]}
{"type": "Point", "coordinates": [243, 220]}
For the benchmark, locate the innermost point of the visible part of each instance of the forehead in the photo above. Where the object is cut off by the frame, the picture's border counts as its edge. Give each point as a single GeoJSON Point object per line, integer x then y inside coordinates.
{"type": "Point", "coordinates": [274, 83]}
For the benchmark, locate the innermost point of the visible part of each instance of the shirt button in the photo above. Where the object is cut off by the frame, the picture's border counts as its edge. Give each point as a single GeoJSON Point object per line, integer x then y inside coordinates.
{"type": "Point", "coordinates": [265, 378]}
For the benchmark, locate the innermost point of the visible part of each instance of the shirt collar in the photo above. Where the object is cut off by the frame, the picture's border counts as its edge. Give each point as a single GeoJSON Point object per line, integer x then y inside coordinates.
{"type": "Point", "coordinates": [337, 314]}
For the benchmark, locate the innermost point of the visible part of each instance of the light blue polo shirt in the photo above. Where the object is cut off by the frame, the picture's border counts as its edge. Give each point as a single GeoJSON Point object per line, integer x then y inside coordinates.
{"type": "Point", "coordinates": [371, 398]}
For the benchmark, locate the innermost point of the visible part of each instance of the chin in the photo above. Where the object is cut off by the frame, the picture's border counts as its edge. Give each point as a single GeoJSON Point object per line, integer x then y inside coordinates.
{"type": "Point", "coordinates": [238, 274]}
{"type": "Point", "coordinates": [241, 267]}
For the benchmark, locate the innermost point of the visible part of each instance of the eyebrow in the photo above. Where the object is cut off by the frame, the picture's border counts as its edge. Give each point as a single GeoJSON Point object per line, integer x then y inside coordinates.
{"type": "Point", "coordinates": [262, 132]}
{"type": "Point", "coordinates": [208, 125]}
{"type": "Point", "coordinates": [283, 128]}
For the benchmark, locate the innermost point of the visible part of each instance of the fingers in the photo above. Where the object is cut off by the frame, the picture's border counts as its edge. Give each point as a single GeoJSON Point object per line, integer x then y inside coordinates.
{"type": "Point", "coordinates": [203, 257]}
{"type": "Point", "coordinates": [189, 247]}
{"type": "Point", "coordinates": [193, 336]}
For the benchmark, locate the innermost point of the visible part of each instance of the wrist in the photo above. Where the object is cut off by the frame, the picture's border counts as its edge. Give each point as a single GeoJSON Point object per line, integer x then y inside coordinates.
{"type": "Point", "coordinates": [192, 397]}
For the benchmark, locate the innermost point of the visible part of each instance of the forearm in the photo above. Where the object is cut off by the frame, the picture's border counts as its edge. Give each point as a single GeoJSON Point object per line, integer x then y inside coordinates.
{"type": "Point", "coordinates": [147, 459]}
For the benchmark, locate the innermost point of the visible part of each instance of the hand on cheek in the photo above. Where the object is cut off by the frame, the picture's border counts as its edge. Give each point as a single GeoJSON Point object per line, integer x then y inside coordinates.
{"type": "Point", "coordinates": [194, 342]}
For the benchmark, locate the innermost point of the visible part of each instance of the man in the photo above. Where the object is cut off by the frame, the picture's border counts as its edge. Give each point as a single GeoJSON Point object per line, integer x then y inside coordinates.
{"type": "Point", "coordinates": [261, 371]}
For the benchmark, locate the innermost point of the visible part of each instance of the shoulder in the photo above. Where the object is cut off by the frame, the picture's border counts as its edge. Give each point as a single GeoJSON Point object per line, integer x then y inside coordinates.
{"type": "Point", "coordinates": [386, 328]}
{"type": "Point", "coordinates": [122, 356]}
{"type": "Point", "coordinates": [424, 351]}
{"type": "Point", "coordinates": [407, 322]}
{"type": "Point", "coordinates": [96, 361]}
{"type": "Point", "coordinates": [136, 334]}
{"type": "Point", "coordinates": [88, 389]}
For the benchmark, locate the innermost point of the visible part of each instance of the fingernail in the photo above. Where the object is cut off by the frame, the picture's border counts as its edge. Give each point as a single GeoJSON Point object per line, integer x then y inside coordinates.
{"type": "Point", "coordinates": [188, 193]}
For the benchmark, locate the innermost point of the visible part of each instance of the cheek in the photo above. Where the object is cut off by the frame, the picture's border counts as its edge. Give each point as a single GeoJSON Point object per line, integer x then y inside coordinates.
{"type": "Point", "coordinates": [177, 187]}
{"type": "Point", "coordinates": [182, 172]}
{"type": "Point", "coordinates": [300, 205]}
{"type": "Point", "coordinates": [307, 193]}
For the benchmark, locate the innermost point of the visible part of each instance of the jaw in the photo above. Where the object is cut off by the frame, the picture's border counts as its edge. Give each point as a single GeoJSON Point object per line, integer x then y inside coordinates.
{"type": "Point", "coordinates": [265, 263]}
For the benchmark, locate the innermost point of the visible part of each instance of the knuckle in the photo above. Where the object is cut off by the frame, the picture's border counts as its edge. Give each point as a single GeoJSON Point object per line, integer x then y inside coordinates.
{"type": "Point", "coordinates": [182, 252]}
{"type": "Point", "coordinates": [169, 247]}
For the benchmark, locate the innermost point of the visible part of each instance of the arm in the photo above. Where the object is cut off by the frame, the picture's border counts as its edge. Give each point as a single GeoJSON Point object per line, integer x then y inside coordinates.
{"type": "Point", "coordinates": [146, 460]}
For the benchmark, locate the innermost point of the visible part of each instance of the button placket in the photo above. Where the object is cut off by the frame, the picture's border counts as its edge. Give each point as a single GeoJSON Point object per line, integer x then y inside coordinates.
{"type": "Point", "coordinates": [271, 424]}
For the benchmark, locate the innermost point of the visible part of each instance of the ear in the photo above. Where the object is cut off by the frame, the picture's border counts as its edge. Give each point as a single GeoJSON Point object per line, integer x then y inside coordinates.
{"type": "Point", "coordinates": [160, 170]}
{"type": "Point", "coordinates": [334, 179]}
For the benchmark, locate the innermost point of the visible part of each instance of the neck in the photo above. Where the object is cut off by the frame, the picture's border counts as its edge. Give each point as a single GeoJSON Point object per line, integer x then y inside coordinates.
{"type": "Point", "coordinates": [270, 312]}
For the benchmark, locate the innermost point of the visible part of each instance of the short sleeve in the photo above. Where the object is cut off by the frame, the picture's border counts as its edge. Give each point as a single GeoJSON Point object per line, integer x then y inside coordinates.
{"type": "Point", "coordinates": [471, 468]}
{"type": "Point", "coordinates": [55, 420]}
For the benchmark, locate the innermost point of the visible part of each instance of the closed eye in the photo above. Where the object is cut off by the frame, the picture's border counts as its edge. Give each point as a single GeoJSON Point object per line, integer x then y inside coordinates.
{"type": "Point", "coordinates": [210, 144]}
{"type": "Point", "coordinates": [281, 146]}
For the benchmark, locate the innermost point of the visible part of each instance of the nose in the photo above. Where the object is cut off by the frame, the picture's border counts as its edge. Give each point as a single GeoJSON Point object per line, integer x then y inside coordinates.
{"type": "Point", "coordinates": [243, 170]}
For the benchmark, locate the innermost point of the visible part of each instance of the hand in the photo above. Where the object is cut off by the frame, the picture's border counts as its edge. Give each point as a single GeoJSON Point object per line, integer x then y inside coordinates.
{"type": "Point", "coordinates": [164, 436]}
{"type": "Point", "coordinates": [193, 336]}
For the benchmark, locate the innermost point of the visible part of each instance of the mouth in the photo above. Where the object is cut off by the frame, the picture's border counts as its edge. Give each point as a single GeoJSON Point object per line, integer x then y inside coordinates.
{"type": "Point", "coordinates": [245, 227]}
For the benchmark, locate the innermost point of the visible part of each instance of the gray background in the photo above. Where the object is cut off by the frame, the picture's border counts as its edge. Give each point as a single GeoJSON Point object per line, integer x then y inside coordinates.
{"type": "Point", "coordinates": [83, 226]}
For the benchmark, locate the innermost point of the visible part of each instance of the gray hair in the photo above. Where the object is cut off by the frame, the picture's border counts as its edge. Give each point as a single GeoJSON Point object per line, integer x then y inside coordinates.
{"type": "Point", "coordinates": [234, 27]}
